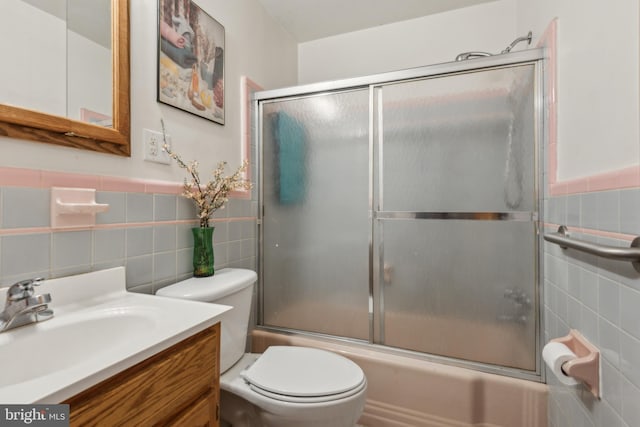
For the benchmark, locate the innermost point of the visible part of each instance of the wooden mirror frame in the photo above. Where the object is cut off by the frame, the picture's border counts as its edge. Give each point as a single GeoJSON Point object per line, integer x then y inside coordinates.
{"type": "Point", "coordinates": [22, 123]}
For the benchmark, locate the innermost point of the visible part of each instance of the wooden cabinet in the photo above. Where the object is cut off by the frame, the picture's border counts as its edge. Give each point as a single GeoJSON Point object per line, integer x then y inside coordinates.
{"type": "Point", "coordinates": [201, 414]}
{"type": "Point", "coordinates": [178, 387]}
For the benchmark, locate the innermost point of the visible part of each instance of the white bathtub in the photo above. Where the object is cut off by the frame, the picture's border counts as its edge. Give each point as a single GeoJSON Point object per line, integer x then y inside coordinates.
{"type": "Point", "coordinates": [403, 391]}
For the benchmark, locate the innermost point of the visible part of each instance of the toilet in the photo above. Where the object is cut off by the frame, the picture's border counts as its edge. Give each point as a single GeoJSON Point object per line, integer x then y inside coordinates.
{"type": "Point", "coordinates": [284, 386]}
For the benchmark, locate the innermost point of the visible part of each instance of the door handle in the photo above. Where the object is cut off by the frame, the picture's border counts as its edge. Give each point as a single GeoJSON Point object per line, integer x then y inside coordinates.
{"type": "Point", "coordinates": [387, 274]}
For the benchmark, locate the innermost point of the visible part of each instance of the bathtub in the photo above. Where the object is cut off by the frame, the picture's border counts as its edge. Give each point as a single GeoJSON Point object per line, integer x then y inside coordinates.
{"type": "Point", "coordinates": [403, 391]}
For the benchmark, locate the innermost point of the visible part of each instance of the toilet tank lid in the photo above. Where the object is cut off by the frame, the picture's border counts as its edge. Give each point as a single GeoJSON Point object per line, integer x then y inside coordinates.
{"type": "Point", "coordinates": [223, 283]}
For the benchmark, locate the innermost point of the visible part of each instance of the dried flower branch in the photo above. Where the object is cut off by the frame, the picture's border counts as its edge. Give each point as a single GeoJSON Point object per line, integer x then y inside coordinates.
{"type": "Point", "coordinates": [215, 194]}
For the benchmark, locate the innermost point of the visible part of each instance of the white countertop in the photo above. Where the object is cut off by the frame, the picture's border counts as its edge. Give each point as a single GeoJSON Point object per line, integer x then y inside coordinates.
{"type": "Point", "coordinates": [98, 330]}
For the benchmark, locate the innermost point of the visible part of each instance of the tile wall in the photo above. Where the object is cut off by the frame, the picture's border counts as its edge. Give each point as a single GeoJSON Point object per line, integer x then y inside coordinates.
{"type": "Point", "coordinates": [147, 232]}
{"type": "Point", "coordinates": [601, 299]}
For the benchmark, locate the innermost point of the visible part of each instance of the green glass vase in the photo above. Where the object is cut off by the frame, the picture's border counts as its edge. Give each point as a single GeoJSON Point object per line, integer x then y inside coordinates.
{"type": "Point", "coordinates": [202, 251]}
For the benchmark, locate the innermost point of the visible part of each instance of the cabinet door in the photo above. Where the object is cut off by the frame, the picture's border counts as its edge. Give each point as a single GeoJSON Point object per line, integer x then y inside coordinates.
{"type": "Point", "coordinates": [155, 390]}
{"type": "Point", "coordinates": [204, 413]}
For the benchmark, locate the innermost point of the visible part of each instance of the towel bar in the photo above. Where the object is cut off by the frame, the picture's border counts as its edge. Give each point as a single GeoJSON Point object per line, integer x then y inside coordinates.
{"type": "Point", "coordinates": [561, 238]}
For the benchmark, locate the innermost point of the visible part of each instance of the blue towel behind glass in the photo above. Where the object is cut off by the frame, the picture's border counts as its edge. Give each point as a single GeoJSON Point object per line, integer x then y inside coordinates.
{"type": "Point", "coordinates": [290, 137]}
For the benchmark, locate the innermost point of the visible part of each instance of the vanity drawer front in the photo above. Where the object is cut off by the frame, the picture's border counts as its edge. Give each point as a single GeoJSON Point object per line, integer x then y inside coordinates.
{"type": "Point", "coordinates": [201, 414]}
{"type": "Point", "coordinates": [155, 390]}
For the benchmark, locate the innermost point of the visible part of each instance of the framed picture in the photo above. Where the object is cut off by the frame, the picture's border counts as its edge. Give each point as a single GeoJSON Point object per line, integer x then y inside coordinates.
{"type": "Point", "coordinates": [190, 60]}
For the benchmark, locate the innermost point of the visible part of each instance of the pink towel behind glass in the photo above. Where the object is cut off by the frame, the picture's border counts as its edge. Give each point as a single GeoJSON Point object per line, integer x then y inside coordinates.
{"type": "Point", "coordinates": [168, 33]}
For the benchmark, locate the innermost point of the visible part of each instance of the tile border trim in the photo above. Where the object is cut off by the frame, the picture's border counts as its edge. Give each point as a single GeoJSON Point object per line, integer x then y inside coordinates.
{"type": "Point", "coordinates": [36, 178]}
{"type": "Point", "coordinates": [41, 230]}
{"type": "Point", "coordinates": [628, 177]}
{"type": "Point", "coordinates": [594, 232]}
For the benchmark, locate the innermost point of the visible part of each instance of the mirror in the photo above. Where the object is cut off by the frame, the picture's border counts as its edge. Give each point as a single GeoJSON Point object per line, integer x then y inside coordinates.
{"type": "Point", "coordinates": [79, 122]}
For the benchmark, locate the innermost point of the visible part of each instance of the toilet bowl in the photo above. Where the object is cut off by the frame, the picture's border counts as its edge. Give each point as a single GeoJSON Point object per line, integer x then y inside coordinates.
{"type": "Point", "coordinates": [285, 386]}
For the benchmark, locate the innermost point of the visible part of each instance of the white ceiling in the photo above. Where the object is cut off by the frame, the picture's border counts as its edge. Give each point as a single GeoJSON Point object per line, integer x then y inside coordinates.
{"type": "Point", "coordinates": [308, 20]}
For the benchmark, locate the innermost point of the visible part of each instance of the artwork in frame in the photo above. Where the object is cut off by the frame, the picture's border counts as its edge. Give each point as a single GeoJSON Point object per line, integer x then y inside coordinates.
{"type": "Point", "coordinates": [190, 59]}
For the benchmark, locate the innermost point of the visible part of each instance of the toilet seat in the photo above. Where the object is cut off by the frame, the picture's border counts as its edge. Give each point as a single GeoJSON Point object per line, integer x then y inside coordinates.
{"type": "Point", "coordinates": [315, 399]}
{"type": "Point", "coordinates": [304, 375]}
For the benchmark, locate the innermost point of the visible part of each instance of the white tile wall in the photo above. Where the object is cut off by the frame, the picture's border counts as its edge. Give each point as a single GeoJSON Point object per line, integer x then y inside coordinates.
{"type": "Point", "coordinates": [600, 298]}
{"type": "Point", "coordinates": [155, 253]}
{"type": "Point", "coordinates": [25, 207]}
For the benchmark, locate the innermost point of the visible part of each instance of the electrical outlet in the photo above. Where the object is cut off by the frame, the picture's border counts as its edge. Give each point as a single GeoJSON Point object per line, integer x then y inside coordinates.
{"type": "Point", "coordinates": [153, 151]}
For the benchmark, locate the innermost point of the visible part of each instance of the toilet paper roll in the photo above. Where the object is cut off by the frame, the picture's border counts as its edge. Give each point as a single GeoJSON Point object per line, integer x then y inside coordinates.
{"type": "Point", "coordinates": [555, 354]}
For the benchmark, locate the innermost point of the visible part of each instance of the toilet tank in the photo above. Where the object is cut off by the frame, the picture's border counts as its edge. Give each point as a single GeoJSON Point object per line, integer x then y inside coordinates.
{"type": "Point", "coordinates": [229, 286]}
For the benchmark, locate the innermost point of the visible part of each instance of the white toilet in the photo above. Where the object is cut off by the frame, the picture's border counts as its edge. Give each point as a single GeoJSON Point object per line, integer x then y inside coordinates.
{"type": "Point", "coordinates": [284, 386]}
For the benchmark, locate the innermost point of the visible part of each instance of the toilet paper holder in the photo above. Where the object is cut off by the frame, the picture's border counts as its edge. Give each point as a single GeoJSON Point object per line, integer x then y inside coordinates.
{"type": "Point", "coordinates": [586, 367]}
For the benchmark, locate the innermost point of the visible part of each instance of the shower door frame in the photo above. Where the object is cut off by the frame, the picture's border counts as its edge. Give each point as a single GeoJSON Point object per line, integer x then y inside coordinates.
{"type": "Point", "coordinates": [373, 83]}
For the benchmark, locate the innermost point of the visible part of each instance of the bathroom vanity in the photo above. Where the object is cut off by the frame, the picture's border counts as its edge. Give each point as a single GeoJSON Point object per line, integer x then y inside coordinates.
{"type": "Point", "coordinates": [178, 386]}
{"type": "Point", "coordinates": [117, 357]}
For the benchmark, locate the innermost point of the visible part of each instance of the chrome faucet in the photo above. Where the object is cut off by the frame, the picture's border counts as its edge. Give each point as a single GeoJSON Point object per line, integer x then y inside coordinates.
{"type": "Point", "coordinates": [23, 307]}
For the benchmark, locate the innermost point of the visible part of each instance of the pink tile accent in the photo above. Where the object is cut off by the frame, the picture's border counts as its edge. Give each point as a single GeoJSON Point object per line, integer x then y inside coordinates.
{"type": "Point", "coordinates": [144, 224]}
{"type": "Point", "coordinates": [599, 233]}
{"type": "Point", "coordinates": [163, 187]}
{"type": "Point", "coordinates": [553, 163]}
{"type": "Point", "coordinates": [136, 184]}
{"type": "Point", "coordinates": [548, 41]}
{"type": "Point", "coordinates": [605, 234]}
{"type": "Point", "coordinates": [32, 230]}
{"type": "Point", "coordinates": [603, 181]}
{"type": "Point", "coordinates": [558, 189]}
{"type": "Point", "coordinates": [234, 219]}
{"type": "Point", "coordinates": [110, 183]}
{"type": "Point", "coordinates": [64, 179]}
{"type": "Point", "coordinates": [39, 230]}
{"type": "Point", "coordinates": [629, 177]}
{"type": "Point", "coordinates": [612, 180]}
{"type": "Point", "coordinates": [16, 177]}
{"type": "Point", "coordinates": [240, 194]}
{"type": "Point", "coordinates": [576, 186]}
{"type": "Point", "coordinates": [248, 87]}
{"type": "Point", "coordinates": [622, 178]}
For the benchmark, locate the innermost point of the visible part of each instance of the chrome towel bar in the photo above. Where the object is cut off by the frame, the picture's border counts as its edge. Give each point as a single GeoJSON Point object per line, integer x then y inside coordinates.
{"type": "Point", "coordinates": [561, 238]}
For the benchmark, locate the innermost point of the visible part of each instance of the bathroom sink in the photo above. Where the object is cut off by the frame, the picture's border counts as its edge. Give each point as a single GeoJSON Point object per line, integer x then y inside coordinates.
{"type": "Point", "coordinates": [98, 330]}
{"type": "Point", "coordinates": [44, 348]}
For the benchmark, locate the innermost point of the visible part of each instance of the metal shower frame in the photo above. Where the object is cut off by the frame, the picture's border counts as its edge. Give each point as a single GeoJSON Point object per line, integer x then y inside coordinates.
{"type": "Point", "coordinates": [372, 83]}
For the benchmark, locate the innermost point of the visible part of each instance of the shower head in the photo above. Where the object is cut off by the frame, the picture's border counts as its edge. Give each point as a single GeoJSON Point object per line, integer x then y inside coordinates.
{"type": "Point", "coordinates": [513, 44]}
{"type": "Point", "coordinates": [470, 55]}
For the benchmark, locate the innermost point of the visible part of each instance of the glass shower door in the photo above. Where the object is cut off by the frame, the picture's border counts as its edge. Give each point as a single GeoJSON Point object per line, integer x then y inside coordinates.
{"type": "Point", "coordinates": [316, 213]}
{"type": "Point", "coordinates": [456, 223]}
